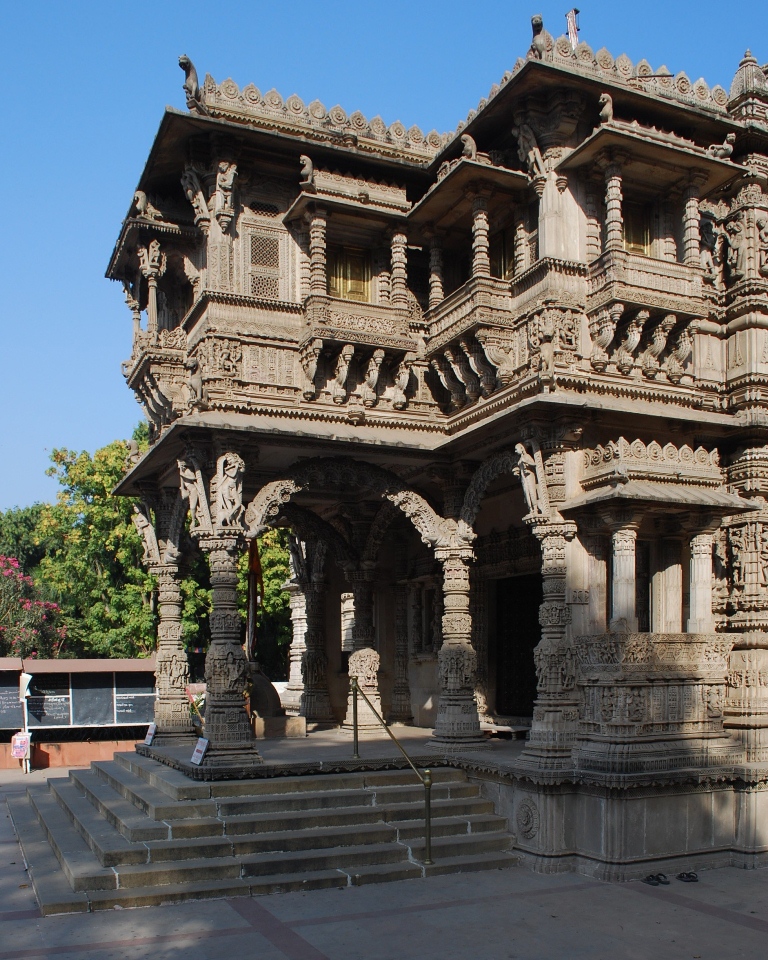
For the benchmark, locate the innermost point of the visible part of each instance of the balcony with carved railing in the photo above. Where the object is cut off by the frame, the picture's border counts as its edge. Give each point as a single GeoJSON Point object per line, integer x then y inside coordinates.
{"type": "Point", "coordinates": [377, 325]}
{"type": "Point", "coordinates": [645, 283]}
{"type": "Point", "coordinates": [481, 301]}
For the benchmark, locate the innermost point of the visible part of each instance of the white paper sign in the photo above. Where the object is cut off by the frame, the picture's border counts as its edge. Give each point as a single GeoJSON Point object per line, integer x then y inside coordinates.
{"type": "Point", "coordinates": [151, 731]}
{"type": "Point", "coordinates": [200, 748]}
{"type": "Point", "coordinates": [20, 743]}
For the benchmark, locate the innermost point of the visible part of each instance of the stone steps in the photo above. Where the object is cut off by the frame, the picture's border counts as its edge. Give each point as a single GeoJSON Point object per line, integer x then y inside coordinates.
{"type": "Point", "coordinates": [132, 832]}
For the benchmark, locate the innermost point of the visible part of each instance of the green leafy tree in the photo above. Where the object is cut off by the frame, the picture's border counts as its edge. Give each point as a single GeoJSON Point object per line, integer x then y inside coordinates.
{"type": "Point", "coordinates": [19, 536]}
{"type": "Point", "coordinates": [273, 624]}
{"type": "Point", "coordinates": [93, 558]}
{"type": "Point", "coordinates": [29, 626]}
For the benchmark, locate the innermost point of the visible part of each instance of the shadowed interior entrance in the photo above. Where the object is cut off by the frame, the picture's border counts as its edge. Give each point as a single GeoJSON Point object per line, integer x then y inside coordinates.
{"type": "Point", "coordinates": [517, 633]}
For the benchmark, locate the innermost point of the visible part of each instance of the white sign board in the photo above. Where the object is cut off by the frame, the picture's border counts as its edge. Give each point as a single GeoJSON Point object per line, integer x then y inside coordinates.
{"type": "Point", "coordinates": [20, 743]}
{"type": "Point", "coordinates": [151, 731]}
{"type": "Point", "coordinates": [200, 748]}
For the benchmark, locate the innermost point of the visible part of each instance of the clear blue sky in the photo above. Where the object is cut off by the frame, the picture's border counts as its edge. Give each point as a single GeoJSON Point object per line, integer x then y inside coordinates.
{"type": "Point", "coordinates": [85, 86]}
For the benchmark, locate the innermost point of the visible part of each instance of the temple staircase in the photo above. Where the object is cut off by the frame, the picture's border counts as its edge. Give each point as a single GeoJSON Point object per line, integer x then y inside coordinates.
{"type": "Point", "coordinates": [132, 832]}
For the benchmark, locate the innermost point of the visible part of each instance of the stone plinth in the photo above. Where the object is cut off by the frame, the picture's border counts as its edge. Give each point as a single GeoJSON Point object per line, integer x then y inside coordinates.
{"type": "Point", "coordinates": [652, 708]}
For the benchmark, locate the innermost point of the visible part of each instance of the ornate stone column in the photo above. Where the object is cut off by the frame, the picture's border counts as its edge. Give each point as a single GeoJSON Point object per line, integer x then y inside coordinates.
{"type": "Point", "coordinates": [171, 666]}
{"type": "Point", "coordinates": [399, 249]}
{"type": "Point", "coordinates": [217, 524]}
{"type": "Point", "coordinates": [623, 597]}
{"type": "Point", "coordinates": [522, 249]}
{"type": "Point", "coordinates": [400, 709]}
{"type": "Point", "coordinates": [701, 619]}
{"type": "Point", "coordinates": [364, 661]}
{"type": "Point", "coordinates": [457, 724]}
{"type": "Point", "coordinates": [152, 263]}
{"type": "Point", "coordinates": [555, 713]}
{"type": "Point", "coordinates": [481, 261]}
{"type": "Point", "coordinates": [315, 700]}
{"type": "Point", "coordinates": [318, 278]}
{"type": "Point", "coordinates": [291, 699]}
{"type": "Point", "coordinates": [614, 221]}
{"type": "Point", "coordinates": [436, 294]}
{"type": "Point", "coordinates": [479, 610]}
{"type": "Point", "coordinates": [691, 221]}
{"type": "Point", "coordinates": [227, 725]}
{"type": "Point", "coordinates": [302, 238]}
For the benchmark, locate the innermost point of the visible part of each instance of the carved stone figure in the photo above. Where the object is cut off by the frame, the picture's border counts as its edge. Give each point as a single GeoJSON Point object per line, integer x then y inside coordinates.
{"type": "Point", "coordinates": [762, 246]}
{"type": "Point", "coordinates": [737, 250]}
{"type": "Point", "coordinates": [401, 378]}
{"type": "Point", "coordinates": [606, 108]}
{"type": "Point", "coordinates": [307, 181]}
{"type": "Point", "coordinates": [147, 533]}
{"type": "Point", "coordinates": [542, 40]}
{"type": "Point", "coordinates": [133, 456]}
{"type": "Point", "coordinates": [526, 468]}
{"type": "Point", "coordinates": [368, 387]}
{"type": "Point", "coordinates": [189, 479]}
{"type": "Point", "coordinates": [191, 86]}
{"type": "Point", "coordinates": [709, 253]}
{"type": "Point", "coordinates": [196, 393]}
{"type": "Point", "coordinates": [229, 490]}
{"type": "Point", "coordinates": [224, 209]}
{"type": "Point", "coordinates": [468, 147]}
{"type": "Point", "coordinates": [528, 150]}
{"type": "Point", "coordinates": [193, 190]}
{"type": "Point", "coordinates": [723, 151]}
{"type": "Point", "coordinates": [143, 208]}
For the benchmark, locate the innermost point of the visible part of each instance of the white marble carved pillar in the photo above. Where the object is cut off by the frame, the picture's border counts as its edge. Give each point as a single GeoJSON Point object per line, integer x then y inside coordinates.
{"type": "Point", "coordinates": [399, 250]}
{"type": "Point", "coordinates": [522, 247]}
{"type": "Point", "coordinates": [481, 260]}
{"type": "Point", "coordinates": [400, 708]}
{"type": "Point", "coordinates": [318, 281]}
{"type": "Point", "coordinates": [302, 240]}
{"type": "Point", "coordinates": [614, 221]}
{"type": "Point", "coordinates": [457, 724]}
{"type": "Point", "coordinates": [623, 595]}
{"type": "Point", "coordinates": [291, 699]}
{"type": "Point", "coordinates": [152, 263]}
{"type": "Point", "coordinates": [436, 290]}
{"type": "Point", "coordinates": [171, 666]}
{"type": "Point", "coordinates": [701, 619]}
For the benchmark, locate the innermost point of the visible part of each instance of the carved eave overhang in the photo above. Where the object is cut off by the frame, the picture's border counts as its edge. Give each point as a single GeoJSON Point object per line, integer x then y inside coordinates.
{"type": "Point", "coordinates": [648, 494]}
{"type": "Point", "coordinates": [134, 230]}
{"type": "Point", "coordinates": [372, 217]}
{"type": "Point", "coordinates": [273, 445]}
{"type": "Point", "coordinates": [449, 200]}
{"type": "Point", "coordinates": [648, 159]}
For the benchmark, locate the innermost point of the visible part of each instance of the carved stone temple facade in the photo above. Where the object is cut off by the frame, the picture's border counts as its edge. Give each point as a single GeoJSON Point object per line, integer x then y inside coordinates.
{"type": "Point", "coordinates": [507, 388]}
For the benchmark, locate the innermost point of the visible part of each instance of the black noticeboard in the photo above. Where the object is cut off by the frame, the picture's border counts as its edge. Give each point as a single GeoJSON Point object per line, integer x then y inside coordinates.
{"type": "Point", "coordinates": [93, 701]}
{"type": "Point", "coordinates": [11, 712]}
{"type": "Point", "coordinates": [135, 708]}
{"type": "Point", "coordinates": [49, 702]}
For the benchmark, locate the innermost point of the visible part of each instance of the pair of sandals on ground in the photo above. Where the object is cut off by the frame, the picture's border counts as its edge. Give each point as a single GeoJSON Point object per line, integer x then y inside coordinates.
{"type": "Point", "coordinates": [658, 879]}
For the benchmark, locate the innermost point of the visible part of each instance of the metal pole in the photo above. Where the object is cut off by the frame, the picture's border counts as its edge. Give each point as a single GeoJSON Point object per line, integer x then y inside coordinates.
{"type": "Point", "coordinates": [355, 750]}
{"type": "Point", "coordinates": [427, 817]}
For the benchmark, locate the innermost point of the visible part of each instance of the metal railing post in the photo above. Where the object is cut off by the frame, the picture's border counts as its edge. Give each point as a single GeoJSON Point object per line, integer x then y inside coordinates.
{"type": "Point", "coordinates": [355, 747]}
{"type": "Point", "coordinates": [427, 817]}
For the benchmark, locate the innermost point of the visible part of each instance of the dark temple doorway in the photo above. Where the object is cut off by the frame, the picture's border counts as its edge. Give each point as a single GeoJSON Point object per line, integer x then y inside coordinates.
{"type": "Point", "coordinates": [517, 632]}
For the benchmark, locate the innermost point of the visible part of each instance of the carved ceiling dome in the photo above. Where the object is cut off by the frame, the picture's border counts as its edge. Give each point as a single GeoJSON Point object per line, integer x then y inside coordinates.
{"type": "Point", "coordinates": [749, 79]}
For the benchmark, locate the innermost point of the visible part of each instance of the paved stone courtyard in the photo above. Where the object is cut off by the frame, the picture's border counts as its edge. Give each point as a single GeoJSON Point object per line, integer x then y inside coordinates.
{"type": "Point", "coordinates": [498, 915]}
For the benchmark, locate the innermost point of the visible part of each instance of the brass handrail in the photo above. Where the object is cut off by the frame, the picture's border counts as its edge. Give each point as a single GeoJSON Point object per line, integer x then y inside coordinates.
{"type": "Point", "coordinates": [426, 778]}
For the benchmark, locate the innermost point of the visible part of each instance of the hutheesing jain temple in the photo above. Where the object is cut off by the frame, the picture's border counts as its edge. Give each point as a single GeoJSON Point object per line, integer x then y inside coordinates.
{"type": "Point", "coordinates": [507, 387]}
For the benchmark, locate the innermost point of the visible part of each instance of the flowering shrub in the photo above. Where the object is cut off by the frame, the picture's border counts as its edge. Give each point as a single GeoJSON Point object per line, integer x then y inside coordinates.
{"type": "Point", "coordinates": [29, 627]}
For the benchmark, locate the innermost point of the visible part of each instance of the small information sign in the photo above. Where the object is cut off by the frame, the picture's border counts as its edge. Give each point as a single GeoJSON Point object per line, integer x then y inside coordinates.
{"type": "Point", "coordinates": [151, 731]}
{"type": "Point", "coordinates": [202, 746]}
{"type": "Point", "coordinates": [20, 743]}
